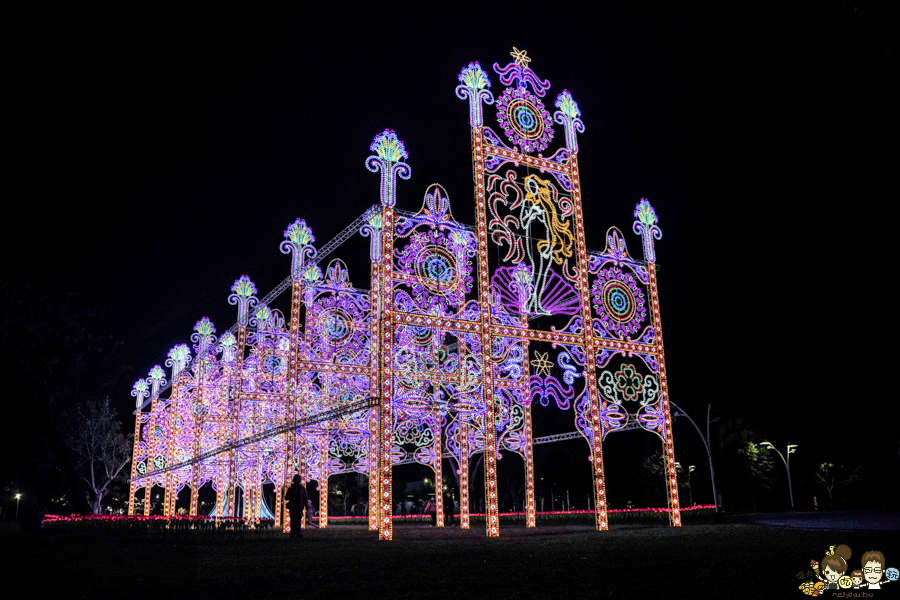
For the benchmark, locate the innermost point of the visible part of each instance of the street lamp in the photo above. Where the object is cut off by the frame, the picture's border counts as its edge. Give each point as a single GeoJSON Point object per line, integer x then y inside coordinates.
{"type": "Point", "coordinates": [18, 497]}
{"type": "Point", "coordinates": [712, 474]}
{"type": "Point", "coordinates": [791, 448]}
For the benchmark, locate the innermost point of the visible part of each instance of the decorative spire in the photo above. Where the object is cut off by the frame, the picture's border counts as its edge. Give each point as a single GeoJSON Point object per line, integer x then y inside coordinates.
{"type": "Point", "coordinates": [179, 357]}
{"type": "Point", "coordinates": [372, 229]}
{"type": "Point", "coordinates": [298, 240]}
{"type": "Point", "coordinates": [568, 116]}
{"type": "Point", "coordinates": [646, 227]}
{"type": "Point", "coordinates": [203, 337]}
{"type": "Point", "coordinates": [473, 85]}
{"type": "Point", "coordinates": [140, 391]}
{"type": "Point", "coordinates": [156, 378]}
{"type": "Point", "coordinates": [228, 347]}
{"type": "Point", "coordinates": [244, 296]}
{"type": "Point", "coordinates": [389, 152]}
{"type": "Point", "coordinates": [262, 317]}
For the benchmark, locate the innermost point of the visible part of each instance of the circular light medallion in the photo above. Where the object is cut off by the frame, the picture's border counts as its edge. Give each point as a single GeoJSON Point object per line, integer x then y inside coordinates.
{"type": "Point", "coordinates": [335, 325]}
{"type": "Point", "coordinates": [524, 119]}
{"type": "Point", "coordinates": [436, 269]}
{"type": "Point", "coordinates": [618, 301]}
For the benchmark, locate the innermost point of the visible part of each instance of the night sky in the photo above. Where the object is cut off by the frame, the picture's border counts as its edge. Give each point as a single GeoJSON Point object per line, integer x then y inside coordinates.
{"type": "Point", "coordinates": [168, 148]}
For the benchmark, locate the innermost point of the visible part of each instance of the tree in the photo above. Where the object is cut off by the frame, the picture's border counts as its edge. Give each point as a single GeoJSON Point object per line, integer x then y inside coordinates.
{"type": "Point", "coordinates": [654, 475]}
{"type": "Point", "coordinates": [53, 358]}
{"type": "Point", "coordinates": [758, 461]}
{"type": "Point", "coordinates": [96, 437]}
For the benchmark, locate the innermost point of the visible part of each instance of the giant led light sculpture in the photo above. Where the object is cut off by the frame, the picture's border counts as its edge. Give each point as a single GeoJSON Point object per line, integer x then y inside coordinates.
{"type": "Point", "coordinates": [461, 331]}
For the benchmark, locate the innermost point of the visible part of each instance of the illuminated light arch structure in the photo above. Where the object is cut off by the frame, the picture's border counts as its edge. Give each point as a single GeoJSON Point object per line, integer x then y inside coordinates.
{"type": "Point", "coordinates": [443, 355]}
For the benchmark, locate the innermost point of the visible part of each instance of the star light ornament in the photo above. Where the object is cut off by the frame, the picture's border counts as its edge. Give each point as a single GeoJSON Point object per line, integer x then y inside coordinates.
{"type": "Point", "coordinates": [520, 57]}
{"type": "Point", "coordinates": [541, 363]}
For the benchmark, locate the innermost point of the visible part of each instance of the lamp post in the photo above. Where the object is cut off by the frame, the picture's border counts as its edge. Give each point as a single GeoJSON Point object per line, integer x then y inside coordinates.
{"type": "Point", "coordinates": [18, 496]}
{"type": "Point", "coordinates": [691, 469]}
{"type": "Point", "coordinates": [791, 448]}
{"type": "Point", "coordinates": [712, 474]}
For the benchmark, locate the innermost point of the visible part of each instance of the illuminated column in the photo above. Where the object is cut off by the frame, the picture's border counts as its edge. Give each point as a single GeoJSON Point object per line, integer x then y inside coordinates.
{"type": "Point", "coordinates": [529, 469]}
{"type": "Point", "coordinates": [372, 229]}
{"type": "Point", "coordinates": [438, 471]}
{"type": "Point", "coordinates": [646, 226]}
{"type": "Point", "coordinates": [389, 153]}
{"type": "Point", "coordinates": [170, 493]}
{"type": "Point", "coordinates": [597, 473]}
{"type": "Point", "coordinates": [492, 517]}
{"type": "Point", "coordinates": [474, 84]}
{"type": "Point", "coordinates": [302, 470]}
{"type": "Point", "coordinates": [151, 462]}
{"type": "Point", "coordinates": [178, 358]}
{"type": "Point", "coordinates": [204, 338]}
{"type": "Point", "coordinates": [291, 416]}
{"type": "Point", "coordinates": [277, 505]}
{"type": "Point", "coordinates": [528, 450]}
{"type": "Point", "coordinates": [236, 390]}
{"type": "Point", "coordinates": [386, 421]}
{"type": "Point", "coordinates": [139, 391]}
{"type": "Point", "coordinates": [464, 475]}
{"type": "Point", "coordinates": [298, 243]}
{"type": "Point", "coordinates": [323, 486]}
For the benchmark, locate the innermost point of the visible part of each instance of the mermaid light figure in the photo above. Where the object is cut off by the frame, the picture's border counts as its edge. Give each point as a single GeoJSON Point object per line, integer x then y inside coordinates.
{"type": "Point", "coordinates": [555, 247]}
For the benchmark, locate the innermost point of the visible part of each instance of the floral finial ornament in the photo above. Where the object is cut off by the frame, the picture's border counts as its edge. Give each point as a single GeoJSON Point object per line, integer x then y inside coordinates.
{"type": "Point", "coordinates": [388, 147]}
{"type": "Point", "coordinates": [228, 346]}
{"type": "Point", "coordinates": [179, 357]}
{"type": "Point", "coordinates": [389, 154]}
{"type": "Point", "coordinates": [298, 240]}
{"type": "Point", "coordinates": [203, 336]}
{"type": "Point", "coordinates": [156, 378]}
{"type": "Point", "coordinates": [312, 274]}
{"type": "Point", "coordinates": [568, 116]}
{"type": "Point", "coordinates": [263, 316]}
{"type": "Point", "coordinates": [646, 226]}
{"type": "Point", "coordinates": [244, 296]}
{"type": "Point", "coordinates": [473, 85]}
{"type": "Point", "coordinates": [372, 229]}
{"type": "Point", "coordinates": [140, 391]}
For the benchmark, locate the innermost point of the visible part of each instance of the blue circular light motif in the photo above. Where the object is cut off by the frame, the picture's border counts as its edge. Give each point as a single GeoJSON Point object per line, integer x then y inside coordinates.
{"type": "Point", "coordinates": [438, 267]}
{"type": "Point", "coordinates": [619, 301]}
{"type": "Point", "coordinates": [526, 118]}
{"type": "Point", "coordinates": [335, 325]}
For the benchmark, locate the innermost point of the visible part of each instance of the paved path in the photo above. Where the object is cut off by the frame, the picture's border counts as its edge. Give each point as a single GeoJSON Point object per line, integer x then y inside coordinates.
{"type": "Point", "coordinates": [862, 520]}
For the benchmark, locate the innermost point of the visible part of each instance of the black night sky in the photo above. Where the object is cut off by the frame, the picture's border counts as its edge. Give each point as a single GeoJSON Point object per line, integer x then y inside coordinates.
{"type": "Point", "coordinates": [164, 150]}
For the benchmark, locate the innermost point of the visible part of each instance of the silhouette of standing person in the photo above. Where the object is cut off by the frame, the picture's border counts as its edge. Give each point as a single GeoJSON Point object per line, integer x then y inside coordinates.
{"type": "Point", "coordinates": [296, 497]}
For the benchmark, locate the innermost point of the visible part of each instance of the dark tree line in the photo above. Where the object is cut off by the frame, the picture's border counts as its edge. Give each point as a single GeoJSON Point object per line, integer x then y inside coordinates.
{"type": "Point", "coordinates": [60, 368]}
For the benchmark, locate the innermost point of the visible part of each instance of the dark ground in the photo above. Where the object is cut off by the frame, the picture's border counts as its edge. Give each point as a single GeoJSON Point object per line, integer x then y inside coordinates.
{"type": "Point", "coordinates": [738, 559]}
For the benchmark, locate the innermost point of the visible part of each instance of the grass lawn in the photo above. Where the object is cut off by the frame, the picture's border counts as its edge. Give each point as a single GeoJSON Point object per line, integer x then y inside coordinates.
{"type": "Point", "coordinates": [734, 560]}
